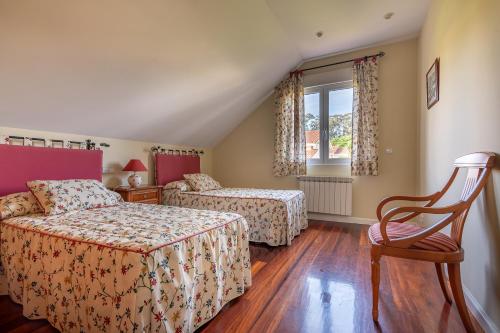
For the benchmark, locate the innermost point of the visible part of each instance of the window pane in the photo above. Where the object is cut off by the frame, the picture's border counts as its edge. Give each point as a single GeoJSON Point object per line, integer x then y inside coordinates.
{"type": "Point", "coordinates": [311, 104]}
{"type": "Point", "coordinates": [340, 123]}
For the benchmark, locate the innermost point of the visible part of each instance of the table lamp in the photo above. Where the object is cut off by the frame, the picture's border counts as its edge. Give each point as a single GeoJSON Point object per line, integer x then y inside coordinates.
{"type": "Point", "coordinates": [135, 165]}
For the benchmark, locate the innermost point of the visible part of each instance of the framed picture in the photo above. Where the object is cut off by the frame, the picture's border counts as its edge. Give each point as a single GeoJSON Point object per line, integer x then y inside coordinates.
{"type": "Point", "coordinates": [38, 142]}
{"type": "Point", "coordinates": [27, 142]}
{"type": "Point", "coordinates": [55, 143]}
{"type": "Point", "coordinates": [432, 79]}
{"type": "Point", "coordinates": [4, 139]}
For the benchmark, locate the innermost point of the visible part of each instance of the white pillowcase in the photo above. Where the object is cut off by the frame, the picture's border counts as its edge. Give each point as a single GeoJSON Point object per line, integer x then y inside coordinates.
{"type": "Point", "coordinates": [117, 195]}
{"type": "Point", "coordinates": [18, 204]}
{"type": "Point", "coordinates": [181, 185]}
{"type": "Point", "coordinates": [61, 196]}
{"type": "Point", "coordinates": [201, 182]}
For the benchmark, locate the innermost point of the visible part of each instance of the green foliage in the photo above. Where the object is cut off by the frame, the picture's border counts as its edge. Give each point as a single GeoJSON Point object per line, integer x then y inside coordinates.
{"type": "Point", "coordinates": [311, 122]}
{"type": "Point", "coordinates": [339, 128]}
{"type": "Point", "coordinates": [344, 141]}
{"type": "Point", "coordinates": [340, 125]}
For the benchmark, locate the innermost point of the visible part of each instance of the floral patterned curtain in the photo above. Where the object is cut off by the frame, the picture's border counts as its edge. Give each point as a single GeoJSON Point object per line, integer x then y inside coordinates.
{"type": "Point", "coordinates": [290, 144]}
{"type": "Point", "coordinates": [364, 160]}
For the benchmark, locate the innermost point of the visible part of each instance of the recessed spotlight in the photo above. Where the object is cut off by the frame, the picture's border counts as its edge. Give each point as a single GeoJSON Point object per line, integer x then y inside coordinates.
{"type": "Point", "coordinates": [388, 15]}
{"type": "Point", "coordinates": [319, 34]}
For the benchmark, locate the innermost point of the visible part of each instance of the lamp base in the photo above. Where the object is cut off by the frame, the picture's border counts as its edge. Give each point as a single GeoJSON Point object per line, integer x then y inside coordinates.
{"type": "Point", "coordinates": [135, 180]}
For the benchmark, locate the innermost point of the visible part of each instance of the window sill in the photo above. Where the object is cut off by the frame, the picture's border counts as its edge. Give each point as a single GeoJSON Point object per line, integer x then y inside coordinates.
{"type": "Point", "coordinates": [341, 164]}
{"type": "Point", "coordinates": [336, 163]}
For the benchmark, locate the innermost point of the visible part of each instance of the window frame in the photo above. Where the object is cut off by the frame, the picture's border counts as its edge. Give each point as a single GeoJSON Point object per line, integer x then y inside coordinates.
{"type": "Point", "coordinates": [324, 97]}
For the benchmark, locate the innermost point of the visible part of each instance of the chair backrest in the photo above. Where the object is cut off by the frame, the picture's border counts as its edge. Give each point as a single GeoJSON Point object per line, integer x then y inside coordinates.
{"type": "Point", "coordinates": [478, 167]}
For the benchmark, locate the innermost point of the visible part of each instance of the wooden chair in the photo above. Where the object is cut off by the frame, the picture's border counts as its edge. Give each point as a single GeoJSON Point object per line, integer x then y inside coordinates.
{"type": "Point", "coordinates": [391, 237]}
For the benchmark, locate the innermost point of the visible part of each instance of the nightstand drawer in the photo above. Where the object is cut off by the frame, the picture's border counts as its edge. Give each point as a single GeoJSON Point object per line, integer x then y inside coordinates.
{"type": "Point", "coordinates": [144, 195]}
{"type": "Point", "coordinates": [150, 201]}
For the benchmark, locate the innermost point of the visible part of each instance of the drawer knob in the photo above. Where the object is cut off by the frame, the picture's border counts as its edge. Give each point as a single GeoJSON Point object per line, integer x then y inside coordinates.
{"type": "Point", "coordinates": [145, 196]}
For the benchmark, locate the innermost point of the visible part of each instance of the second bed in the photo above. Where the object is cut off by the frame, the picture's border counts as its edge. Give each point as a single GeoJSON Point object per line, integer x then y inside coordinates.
{"type": "Point", "coordinates": [274, 217]}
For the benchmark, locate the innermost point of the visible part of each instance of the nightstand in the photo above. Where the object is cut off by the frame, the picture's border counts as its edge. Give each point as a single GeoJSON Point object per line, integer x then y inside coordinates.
{"type": "Point", "coordinates": [142, 194]}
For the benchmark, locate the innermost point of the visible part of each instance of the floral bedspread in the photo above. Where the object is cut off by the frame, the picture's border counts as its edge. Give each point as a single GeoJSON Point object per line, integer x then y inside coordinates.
{"type": "Point", "coordinates": [127, 268]}
{"type": "Point", "coordinates": [274, 217]}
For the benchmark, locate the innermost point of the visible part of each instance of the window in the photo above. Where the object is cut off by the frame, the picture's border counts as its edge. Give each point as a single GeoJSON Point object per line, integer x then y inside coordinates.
{"type": "Point", "coordinates": [328, 123]}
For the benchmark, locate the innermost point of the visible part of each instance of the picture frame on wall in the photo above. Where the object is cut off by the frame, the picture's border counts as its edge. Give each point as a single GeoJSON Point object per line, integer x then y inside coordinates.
{"type": "Point", "coordinates": [4, 139]}
{"type": "Point", "coordinates": [432, 83]}
{"type": "Point", "coordinates": [27, 142]}
{"type": "Point", "coordinates": [55, 143]}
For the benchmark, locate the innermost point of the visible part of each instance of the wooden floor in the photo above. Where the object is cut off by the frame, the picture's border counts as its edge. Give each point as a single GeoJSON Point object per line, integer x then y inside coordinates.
{"type": "Point", "coordinates": [319, 284]}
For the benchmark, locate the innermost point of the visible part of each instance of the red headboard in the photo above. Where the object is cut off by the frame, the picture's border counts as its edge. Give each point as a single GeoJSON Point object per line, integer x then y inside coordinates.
{"type": "Point", "coordinates": [171, 167]}
{"type": "Point", "coordinates": [19, 164]}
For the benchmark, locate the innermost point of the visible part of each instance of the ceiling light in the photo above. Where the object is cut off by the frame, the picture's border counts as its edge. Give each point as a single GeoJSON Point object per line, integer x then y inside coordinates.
{"type": "Point", "coordinates": [319, 34]}
{"type": "Point", "coordinates": [388, 15]}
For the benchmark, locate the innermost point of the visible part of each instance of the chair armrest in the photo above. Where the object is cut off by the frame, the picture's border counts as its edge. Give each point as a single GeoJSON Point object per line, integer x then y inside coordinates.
{"type": "Point", "coordinates": [452, 211]}
{"type": "Point", "coordinates": [432, 198]}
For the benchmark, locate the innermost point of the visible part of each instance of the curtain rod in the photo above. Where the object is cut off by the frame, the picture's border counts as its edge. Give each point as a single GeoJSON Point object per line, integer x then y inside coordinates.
{"type": "Point", "coordinates": [380, 54]}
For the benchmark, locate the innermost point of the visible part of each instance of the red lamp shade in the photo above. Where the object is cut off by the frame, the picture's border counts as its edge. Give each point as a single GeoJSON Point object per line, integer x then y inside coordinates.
{"type": "Point", "coordinates": [135, 165]}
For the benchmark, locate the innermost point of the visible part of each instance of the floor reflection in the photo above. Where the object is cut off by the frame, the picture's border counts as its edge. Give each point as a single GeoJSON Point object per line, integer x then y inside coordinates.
{"type": "Point", "coordinates": [328, 300]}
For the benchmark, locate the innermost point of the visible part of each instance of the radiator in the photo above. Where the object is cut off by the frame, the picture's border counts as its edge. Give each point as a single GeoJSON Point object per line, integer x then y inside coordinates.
{"type": "Point", "coordinates": [329, 195]}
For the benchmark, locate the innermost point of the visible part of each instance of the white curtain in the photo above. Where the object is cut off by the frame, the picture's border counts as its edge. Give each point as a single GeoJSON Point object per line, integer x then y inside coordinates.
{"type": "Point", "coordinates": [364, 160]}
{"type": "Point", "coordinates": [289, 144]}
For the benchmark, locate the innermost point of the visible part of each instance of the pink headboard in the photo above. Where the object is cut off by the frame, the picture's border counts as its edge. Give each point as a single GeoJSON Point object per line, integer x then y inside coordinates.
{"type": "Point", "coordinates": [19, 164]}
{"type": "Point", "coordinates": [171, 167]}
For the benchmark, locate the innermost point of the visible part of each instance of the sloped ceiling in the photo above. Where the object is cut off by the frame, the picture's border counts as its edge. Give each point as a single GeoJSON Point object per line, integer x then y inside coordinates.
{"type": "Point", "coordinates": [180, 72]}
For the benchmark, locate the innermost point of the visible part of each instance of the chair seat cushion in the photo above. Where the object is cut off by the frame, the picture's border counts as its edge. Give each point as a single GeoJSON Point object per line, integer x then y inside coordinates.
{"type": "Point", "coordinates": [435, 242]}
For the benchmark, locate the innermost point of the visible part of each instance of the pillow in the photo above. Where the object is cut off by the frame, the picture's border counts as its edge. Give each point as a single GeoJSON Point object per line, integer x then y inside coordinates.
{"type": "Point", "coordinates": [117, 195]}
{"type": "Point", "coordinates": [61, 196]}
{"type": "Point", "coordinates": [201, 182]}
{"type": "Point", "coordinates": [181, 185]}
{"type": "Point", "coordinates": [18, 204]}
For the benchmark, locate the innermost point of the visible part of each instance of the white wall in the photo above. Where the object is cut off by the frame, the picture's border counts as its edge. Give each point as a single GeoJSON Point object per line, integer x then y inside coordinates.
{"type": "Point", "coordinates": [465, 35]}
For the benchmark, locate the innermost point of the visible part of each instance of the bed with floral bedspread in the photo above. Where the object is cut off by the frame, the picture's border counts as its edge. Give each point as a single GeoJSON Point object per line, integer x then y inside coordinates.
{"type": "Point", "coordinates": [126, 268]}
{"type": "Point", "coordinates": [274, 217]}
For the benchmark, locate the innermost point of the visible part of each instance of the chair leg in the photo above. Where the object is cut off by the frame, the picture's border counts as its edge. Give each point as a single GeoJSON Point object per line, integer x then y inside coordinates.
{"type": "Point", "coordinates": [375, 256]}
{"type": "Point", "coordinates": [442, 282]}
{"type": "Point", "coordinates": [456, 287]}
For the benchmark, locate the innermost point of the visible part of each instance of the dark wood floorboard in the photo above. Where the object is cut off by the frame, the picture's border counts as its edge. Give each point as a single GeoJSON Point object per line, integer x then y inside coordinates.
{"type": "Point", "coordinates": [319, 284]}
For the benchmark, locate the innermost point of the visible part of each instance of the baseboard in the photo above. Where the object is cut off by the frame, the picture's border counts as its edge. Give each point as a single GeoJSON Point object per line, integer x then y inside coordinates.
{"type": "Point", "coordinates": [478, 312]}
{"type": "Point", "coordinates": [340, 218]}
